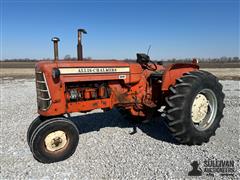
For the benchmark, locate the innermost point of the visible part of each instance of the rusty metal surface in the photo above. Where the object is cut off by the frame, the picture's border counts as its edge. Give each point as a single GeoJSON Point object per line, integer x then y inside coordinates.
{"type": "Point", "coordinates": [79, 45]}
{"type": "Point", "coordinates": [132, 90]}
{"type": "Point", "coordinates": [55, 44]}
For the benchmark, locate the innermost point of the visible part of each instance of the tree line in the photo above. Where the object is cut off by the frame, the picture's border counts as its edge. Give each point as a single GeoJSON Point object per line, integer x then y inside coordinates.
{"type": "Point", "coordinates": [209, 60]}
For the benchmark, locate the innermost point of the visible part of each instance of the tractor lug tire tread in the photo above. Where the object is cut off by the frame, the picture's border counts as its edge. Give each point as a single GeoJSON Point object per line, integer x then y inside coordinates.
{"type": "Point", "coordinates": [178, 120]}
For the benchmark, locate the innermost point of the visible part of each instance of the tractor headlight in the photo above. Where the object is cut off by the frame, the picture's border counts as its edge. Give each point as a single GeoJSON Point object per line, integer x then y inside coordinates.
{"type": "Point", "coordinates": [55, 73]}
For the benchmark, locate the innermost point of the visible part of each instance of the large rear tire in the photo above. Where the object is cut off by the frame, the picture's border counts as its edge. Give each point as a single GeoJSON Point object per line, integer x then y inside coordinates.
{"type": "Point", "coordinates": [194, 107]}
{"type": "Point", "coordinates": [54, 140]}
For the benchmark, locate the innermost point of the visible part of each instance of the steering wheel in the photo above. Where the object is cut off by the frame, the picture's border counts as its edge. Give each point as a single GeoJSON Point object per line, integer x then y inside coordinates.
{"type": "Point", "coordinates": [145, 61]}
{"type": "Point", "coordinates": [149, 66]}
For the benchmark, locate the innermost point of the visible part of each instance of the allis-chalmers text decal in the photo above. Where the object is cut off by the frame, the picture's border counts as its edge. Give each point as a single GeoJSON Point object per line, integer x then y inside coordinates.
{"type": "Point", "coordinates": [94, 70]}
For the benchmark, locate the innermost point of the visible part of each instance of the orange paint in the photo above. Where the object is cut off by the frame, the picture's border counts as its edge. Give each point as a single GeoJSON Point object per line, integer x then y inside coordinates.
{"type": "Point", "coordinates": [132, 90]}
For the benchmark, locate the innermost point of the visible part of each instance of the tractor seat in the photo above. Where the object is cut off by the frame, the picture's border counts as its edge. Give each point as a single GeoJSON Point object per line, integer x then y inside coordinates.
{"type": "Point", "coordinates": [157, 75]}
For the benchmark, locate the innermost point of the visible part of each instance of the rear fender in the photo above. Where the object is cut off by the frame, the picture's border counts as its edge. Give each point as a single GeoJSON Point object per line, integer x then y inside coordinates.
{"type": "Point", "coordinates": [175, 71]}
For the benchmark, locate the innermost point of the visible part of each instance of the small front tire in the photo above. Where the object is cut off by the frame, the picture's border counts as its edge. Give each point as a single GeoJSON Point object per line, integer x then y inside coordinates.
{"type": "Point", "coordinates": [54, 140]}
{"type": "Point", "coordinates": [35, 123]}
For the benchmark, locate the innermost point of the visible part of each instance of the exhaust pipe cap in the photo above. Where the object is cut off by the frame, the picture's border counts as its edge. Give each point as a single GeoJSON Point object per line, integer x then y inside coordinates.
{"type": "Point", "coordinates": [82, 30]}
{"type": "Point", "coordinates": [55, 39]}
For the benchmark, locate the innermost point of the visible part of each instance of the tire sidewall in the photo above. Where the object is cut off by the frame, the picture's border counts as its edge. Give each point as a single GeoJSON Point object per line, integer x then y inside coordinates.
{"type": "Point", "coordinates": [35, 123]}
{"type": "Point", "coordinates": [38, 145]}
{"type": "Point", "coordinates": [205, 83]}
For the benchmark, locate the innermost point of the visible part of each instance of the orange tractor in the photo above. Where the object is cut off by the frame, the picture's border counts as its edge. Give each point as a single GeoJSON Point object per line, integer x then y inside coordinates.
{"type": "Point", "coordinates": [192, 99]}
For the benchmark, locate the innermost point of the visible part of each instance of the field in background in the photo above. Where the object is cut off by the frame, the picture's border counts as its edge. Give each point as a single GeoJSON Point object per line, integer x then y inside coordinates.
{"type": "Point", "coordinates": [31, 64]}
{"type": "Point", "coordinates": [17, 64]}
{"type": "Point", "coordinates": [23, 70]}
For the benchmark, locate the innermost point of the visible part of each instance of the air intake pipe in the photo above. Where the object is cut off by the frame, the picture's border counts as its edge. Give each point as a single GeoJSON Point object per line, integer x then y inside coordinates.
{"type": "Point", "coordinates": [55, 45]}
{"type": "Point", "coordinates": [79, 45]}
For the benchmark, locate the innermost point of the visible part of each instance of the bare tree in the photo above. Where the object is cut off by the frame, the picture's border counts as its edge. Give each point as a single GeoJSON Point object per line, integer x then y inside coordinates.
{"type": "Point", "coordinates": [67, 56]}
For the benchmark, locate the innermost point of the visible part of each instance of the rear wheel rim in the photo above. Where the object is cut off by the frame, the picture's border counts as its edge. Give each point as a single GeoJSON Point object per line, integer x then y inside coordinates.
{"type": "Point", "coordinates": [204, 109]}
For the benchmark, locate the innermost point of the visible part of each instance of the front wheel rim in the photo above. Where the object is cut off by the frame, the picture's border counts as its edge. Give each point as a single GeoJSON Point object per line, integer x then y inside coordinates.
{"type": "Point", "coordinates": [55, 141]}
{"type": "Point", "coordinates": [204, 109]}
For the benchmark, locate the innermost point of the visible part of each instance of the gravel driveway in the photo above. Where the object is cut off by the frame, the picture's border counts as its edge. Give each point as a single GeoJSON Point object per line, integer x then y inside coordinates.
{"type": "Point", "coordinates": [107, 149]}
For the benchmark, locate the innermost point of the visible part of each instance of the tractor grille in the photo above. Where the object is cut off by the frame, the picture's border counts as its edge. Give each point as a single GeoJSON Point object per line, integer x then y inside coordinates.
{"type": "Point", "coordinates": [43, 96]}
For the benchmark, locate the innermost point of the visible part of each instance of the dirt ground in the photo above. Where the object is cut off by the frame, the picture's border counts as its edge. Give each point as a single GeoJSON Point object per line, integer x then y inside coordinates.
{"type": "Point", "coordinates": [16, 73]}
{"type": "Point", "coordinates": [22, 73]}
{"type": "Point", "coordinates": [225, 73]}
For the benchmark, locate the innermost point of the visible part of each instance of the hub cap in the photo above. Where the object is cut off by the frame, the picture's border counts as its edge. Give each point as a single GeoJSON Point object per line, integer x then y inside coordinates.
{"type": "Point", "coordinates": [55, 140]}
{"type": "Point", "coordinates": [199, 108]}
{"type": "Point", "coordinates": [204, 109]}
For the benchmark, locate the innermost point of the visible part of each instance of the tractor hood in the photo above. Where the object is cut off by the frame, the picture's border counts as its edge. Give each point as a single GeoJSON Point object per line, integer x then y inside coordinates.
{"type": "Point", "coordinates": [90, 64]}
{"type": "Point", "coordinates": [92, 70]}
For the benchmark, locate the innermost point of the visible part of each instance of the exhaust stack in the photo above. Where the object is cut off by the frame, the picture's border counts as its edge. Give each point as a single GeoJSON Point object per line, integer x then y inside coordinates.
{"type": "Point", "coordinates": [55, 45]}
{"type": "Point", "coordinates": [79, 45]}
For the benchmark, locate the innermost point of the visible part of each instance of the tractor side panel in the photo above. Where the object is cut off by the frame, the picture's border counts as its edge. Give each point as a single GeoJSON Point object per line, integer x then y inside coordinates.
{"type": "Point", "coordinates": [57, 90]}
